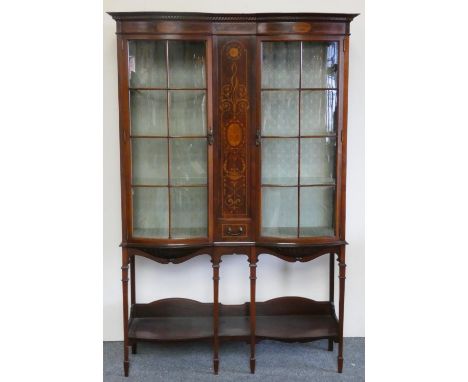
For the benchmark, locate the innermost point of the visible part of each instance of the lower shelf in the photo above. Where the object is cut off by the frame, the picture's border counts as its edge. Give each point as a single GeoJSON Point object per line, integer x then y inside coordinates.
{"type": "Point", "coordinates": [170, 328]}
{"type": "Point", "coordinates": [296, 328]}
{"type": "Point", "coordinates": [284, 319]}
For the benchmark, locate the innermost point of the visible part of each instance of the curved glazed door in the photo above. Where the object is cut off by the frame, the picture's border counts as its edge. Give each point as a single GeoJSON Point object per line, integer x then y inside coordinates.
{"type": "Point", "coordinates": [298, 131]}
{"type": "Point", "coordinates": [169, 150]}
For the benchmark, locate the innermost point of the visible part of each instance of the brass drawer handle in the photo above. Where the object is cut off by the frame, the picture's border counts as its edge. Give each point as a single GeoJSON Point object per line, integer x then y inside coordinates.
{"type": "Point", "coordinates": [230, 232]}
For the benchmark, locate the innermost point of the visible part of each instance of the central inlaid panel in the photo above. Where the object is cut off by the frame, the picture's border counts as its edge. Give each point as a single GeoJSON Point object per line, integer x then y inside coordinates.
{"type": "Point", "coordinates": [234, 119]}
{"type": "Point", "coordinates": [233, 109]}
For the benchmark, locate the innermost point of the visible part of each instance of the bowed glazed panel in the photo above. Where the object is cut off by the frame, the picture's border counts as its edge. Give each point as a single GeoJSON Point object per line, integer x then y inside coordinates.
{"type": "Point", "coordinates": [235, 108]}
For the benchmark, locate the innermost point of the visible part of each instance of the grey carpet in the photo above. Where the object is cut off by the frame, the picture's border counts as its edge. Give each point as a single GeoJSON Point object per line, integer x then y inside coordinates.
{"type": "Point", "coordinates": [276, 361]}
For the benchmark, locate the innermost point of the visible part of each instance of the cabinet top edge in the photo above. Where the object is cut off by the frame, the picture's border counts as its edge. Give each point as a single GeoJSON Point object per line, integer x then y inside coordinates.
{"type": "Point", "coordinates": [232, 17]}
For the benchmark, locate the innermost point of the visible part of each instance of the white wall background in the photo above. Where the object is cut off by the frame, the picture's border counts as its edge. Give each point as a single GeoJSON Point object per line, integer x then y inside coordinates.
{"type": "Point", "coordinates": [275, 277]}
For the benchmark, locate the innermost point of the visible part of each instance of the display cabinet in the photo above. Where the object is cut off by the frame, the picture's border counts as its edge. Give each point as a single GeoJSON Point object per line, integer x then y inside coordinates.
{"type": "Point", "coordinates": [233, 141]}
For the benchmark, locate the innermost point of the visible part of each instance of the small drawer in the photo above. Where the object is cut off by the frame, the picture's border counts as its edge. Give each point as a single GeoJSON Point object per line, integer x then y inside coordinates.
{"type": "Point", "coordinates": [235, 230]}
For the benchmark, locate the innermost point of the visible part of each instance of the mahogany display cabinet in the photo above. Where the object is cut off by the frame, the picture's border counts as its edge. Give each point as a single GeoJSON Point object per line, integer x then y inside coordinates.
{"type": "Point", "coordinates": [233, 141]}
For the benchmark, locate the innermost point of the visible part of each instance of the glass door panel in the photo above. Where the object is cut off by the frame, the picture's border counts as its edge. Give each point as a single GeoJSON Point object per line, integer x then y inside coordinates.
{"type": "Point", "coordinates": [149, 158]}
{"type": "Point", "coordinates": [188, 212]}
{"type": "Point", "coordinates": [149, 112]}
{"type": "Point", "coordinates": [187, 64]}
{"type": "Point", "coordinates": [318, 161]}
{"type": "Point", "coordinates": [187, 113]}
{"type": "Point", "coordinates": [168, 132]}
{"type": "Point", "coordinates": [188, 161]}
{"type": "Point", "coordinates": [279, 162]}
{"type": "Point", "coordinates": [319, 64]}
{"type": "Point", "coordinates": [316, 211]}
{"type": "Point", "coordinates": [147, 64]}
{"type": "Point", "coordinates": [279, 212]}
{"type": "Point", "coordinates": [280, 113]}
{"type": "Point", "coordinates": [298, 138]}
{"type": "Point", "coordinates": [150, 212]}
{"type": "Point", "coordinates": [318, 112]}
{"type": "Point", "coordinates": [281, 64]}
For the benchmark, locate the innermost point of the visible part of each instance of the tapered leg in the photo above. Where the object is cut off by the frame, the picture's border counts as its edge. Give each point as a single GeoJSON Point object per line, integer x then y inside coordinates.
{"type": "Point", "coordinates": [215, 261]}
{"type": "Point", "coordinates": [253, 277]}
{"type": "Point", "coordinates": [331, 291]}
{"type": "Point", "coordinates": [125, 261]}
{"type": "Point", "coordinates": [133, 292]}
{"type": "Point", "coordinates": [342, 276]}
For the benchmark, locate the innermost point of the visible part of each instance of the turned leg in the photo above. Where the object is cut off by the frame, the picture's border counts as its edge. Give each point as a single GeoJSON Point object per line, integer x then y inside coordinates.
{"type": "Point", "coordinates": [215, 260]}
{"type": "Point", "coordinates": [133, 293]}
{"type": "Point", "coordinates": [331, 291]}
{"type": "Point", "coordinates": [253, 277]}
{"type": "Point", "coordinates": [125, 307]}
{"type": "Point", "coordinates": [342, 277]}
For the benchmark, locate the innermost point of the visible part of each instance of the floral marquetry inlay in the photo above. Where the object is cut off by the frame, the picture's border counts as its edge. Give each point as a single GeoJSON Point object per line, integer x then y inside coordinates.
{"type": "Point", "coordinates": [233, 108]}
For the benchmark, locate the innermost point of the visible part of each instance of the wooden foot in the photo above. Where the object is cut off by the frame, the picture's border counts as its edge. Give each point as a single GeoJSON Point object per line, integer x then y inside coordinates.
{"type": "Point", "coordinates": [126, 367]}
{"type": "Point", "coordinates": [252, 365]}
{"type": "Point", "coordinates": [330, 345]}
{"type": "Point", "coordinates": [216, 365]}
{"type": "Point", "coordinates": [340, 364]}
{"type": "Point", "coordinates": [134, 348]}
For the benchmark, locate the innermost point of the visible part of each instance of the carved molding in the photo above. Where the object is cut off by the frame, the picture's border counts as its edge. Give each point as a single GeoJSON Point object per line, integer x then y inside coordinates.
{"type": "Point", "coordinates": [233, 109]}
{"type": "Point", "coordinates": [233, 17]}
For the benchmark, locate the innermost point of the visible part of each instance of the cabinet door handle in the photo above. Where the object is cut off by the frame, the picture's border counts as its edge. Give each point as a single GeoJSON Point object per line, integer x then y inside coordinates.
{"type": "Point", "coordinates": [230, 232]}
{"type": "Point", "coordinates": [210, 137]}
{"type": "Point", "coordinates": [258, 138]}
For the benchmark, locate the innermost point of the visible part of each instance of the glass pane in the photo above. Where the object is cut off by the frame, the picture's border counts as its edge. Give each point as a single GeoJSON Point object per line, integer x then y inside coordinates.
{"type": "Point", "coordinates": [318, 160]}
{"type": "Point", "coordinates": [280, 113]}
{"type": "Point", "coordinates": [319, 64]}
{"type": "Point", "coordinates": [149, 112]}
{"type": "Point", "coordinates": [150, 212]}
{"type": "Point", "coordinates": [147, 63]}
{"type": "Point", "coordinates": [281, 64]}
{"type": "Point", "coordinates": [189, 212]}
{"type": "Point", "coordinates": [316, 211]}
{"type": "Point", "coordinates": [188, 161]}
{"type": "Point", "coordinates": [186, 64]}
{"type": "Point", "coordinates": [149, 161]}
{"type": "Point", "coordinates": [279, 161]}
{"type": "Point", "coordinates": [318, 110]}
{"type": "Point", "coordinates": [279, 211]}
{"type": "Point", "coordinates": [187, 111]}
